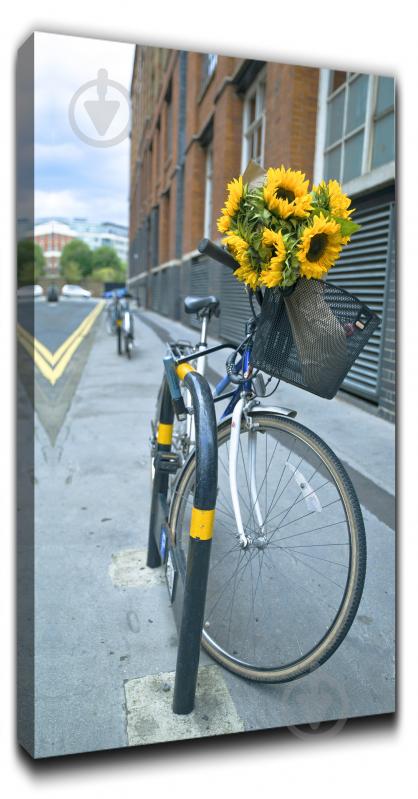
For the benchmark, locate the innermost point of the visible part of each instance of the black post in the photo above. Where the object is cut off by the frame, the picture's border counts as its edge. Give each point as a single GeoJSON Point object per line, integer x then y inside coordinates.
{"type": "Point", "coordinates": [201, 525]}
{"type": "Point", "coordinates": [160, 484]}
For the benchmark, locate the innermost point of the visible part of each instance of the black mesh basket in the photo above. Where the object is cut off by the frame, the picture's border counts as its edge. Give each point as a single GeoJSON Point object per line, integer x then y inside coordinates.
{"type": "Point", "coordinates": [310, 335]}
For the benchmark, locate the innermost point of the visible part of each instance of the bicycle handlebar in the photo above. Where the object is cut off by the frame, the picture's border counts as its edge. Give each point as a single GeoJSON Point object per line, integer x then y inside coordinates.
{"type": "Point", "coordinates": [207, 247]}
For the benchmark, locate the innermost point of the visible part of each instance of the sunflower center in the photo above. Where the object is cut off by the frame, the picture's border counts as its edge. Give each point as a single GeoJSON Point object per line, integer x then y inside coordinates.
{"type": "Point", "coordinates": [284, 194]}
{"type": "Point", "coordinates": [317, 246]}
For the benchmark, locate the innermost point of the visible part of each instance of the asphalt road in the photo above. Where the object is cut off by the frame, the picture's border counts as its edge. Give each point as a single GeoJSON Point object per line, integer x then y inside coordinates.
{"type": "Point", "coordinates": [55, 321]}
{"type": "Point", "coordinates": [53, 324]}
{"type": "Point", "coordinates": [106, 641]}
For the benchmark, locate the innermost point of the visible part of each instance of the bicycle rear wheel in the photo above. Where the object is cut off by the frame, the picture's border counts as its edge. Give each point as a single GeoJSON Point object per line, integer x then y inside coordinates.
{"type": "Point", "coordinates": [281, 606]}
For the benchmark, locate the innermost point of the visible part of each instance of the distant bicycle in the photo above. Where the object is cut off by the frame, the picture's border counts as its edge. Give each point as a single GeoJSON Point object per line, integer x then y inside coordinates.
{"type": "Point", "coordinates": [111, 316]}
{"type": "Point", "coordinates": [124, 327]}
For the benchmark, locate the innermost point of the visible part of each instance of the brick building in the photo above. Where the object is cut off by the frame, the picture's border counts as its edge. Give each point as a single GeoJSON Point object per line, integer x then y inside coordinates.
{"type": "Point", "coordinates": [197, 119]}
{"type": "Point", "coordinates": [52, 236]}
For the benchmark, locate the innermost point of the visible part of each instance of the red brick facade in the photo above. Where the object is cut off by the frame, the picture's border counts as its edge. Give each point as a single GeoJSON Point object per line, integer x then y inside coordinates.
{"type": "Point", "coordinates": [216, 106]}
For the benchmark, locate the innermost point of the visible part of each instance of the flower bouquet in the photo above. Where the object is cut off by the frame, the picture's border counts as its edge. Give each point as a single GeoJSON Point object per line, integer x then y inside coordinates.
{"type": "Point", "coordinates": [277, 230]}
{"type": "Point", "coordinates": [285, 239]}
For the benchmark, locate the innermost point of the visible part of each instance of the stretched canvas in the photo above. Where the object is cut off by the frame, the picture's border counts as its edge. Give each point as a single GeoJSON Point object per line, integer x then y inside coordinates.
{"type": "Point", "coordinates": [190, 568]}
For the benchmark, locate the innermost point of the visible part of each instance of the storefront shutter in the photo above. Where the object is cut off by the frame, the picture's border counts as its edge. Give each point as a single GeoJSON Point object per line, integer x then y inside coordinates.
{"type": "Point", "coordinates": [199, 283]}
{"type": "Point", "coordinates": [363, 269]}
{"type": "Point", "coordinates": [235, 307]}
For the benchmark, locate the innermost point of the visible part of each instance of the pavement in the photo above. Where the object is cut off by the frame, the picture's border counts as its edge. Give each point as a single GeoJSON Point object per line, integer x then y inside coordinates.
{"type": "Point", "coordinates": [106, 641]}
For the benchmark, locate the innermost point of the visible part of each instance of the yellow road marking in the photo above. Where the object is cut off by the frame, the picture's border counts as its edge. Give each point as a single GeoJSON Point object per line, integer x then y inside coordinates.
{"type": "Point", "coordinates": [52, 365]}
{"type": "Point", "coordinates": [42, 365]}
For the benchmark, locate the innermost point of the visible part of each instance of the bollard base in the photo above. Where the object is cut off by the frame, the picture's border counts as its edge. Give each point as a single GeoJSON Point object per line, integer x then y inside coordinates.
{"type": "Point", "coordinates": [150, 718]}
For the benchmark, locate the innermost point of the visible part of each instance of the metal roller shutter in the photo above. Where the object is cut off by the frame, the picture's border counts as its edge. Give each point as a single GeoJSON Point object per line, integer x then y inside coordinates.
{"type": "Point", "coordinates": [362, 270]}
{"type": "Point", "coordinates": [235, 307]}
{"type": "Point", "coordinates": [199, 283]}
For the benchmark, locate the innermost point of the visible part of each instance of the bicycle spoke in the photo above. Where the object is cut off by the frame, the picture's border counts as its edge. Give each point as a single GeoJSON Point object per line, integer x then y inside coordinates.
{"type": "Point", "coordinates": [271, 603]}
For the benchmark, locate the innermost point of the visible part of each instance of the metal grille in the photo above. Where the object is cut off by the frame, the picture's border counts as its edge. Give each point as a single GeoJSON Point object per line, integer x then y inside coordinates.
{"type": "Point", "coordinates": [362, 270]}
{"type": "Point", "coordinates": [235, 307]}
{"type": "Point", "coordinates": [199, 284]}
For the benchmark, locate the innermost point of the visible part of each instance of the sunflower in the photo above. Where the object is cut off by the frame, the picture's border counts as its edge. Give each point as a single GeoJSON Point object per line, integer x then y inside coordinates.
{"type": "Point", "coordinates": [224, 223]}
{"type": "Point", "coordinates": [271, 272]}
{"type": "Point", "coordinates": [319, 247]}
{"type": "Point", "coordinates": [286, 193]}
{"type": "Point", "coordinates": [237, 246]}
{"type": "Point", "coordinates": [248, 275]}
{"type": "Point", "coordinates": [339, 203]}
{"type": "Point", "coordinates": [332, 199]}
{"type": "Point", "coordinates": [236, 191]}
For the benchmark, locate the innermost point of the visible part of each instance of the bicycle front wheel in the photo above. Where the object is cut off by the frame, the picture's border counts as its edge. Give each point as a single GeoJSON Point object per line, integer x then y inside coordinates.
{"type": "Point", "coordinates": [279, 607]}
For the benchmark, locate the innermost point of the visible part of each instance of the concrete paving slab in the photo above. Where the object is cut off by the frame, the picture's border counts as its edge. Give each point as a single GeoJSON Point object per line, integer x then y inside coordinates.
{"type": "Point", "coordinates": [151, 719]}
{"type": "Point", "coordinates": [129, 570]}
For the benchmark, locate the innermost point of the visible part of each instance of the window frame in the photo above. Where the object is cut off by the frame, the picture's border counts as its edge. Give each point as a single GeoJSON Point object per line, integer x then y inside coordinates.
{"type": "Point", "coordinates": [208, 201]}
{"type": "Point", "coordinates": [369, 178]}
{"type": "Point", "coordinates": [249, 128]}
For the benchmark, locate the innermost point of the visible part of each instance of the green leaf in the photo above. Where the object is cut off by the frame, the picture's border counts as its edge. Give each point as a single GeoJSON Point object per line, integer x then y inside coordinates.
{"type": "Point", "coordinates": [348, 227]}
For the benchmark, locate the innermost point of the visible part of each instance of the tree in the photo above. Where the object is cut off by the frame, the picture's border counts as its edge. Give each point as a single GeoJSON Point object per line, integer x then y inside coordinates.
{"type": "Point", "coordinates": [106, 275]}
{"type": "Point", "coordinates": [77, 252]}
{"type": "Point", "coordinates": [71, 272]}
{"type": "Point", "coordinates": [106, 258]}
{"type": "Point", "coordinates": [30, 262]}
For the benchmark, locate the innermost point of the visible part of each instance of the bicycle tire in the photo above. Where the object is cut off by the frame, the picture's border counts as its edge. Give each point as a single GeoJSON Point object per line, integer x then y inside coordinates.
{"type": "Point", "coordinates": [344, 617]}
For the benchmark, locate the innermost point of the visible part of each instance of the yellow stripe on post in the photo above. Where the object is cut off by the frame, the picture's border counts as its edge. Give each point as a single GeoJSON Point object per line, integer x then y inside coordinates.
{"type": "Point", "coordinates": [165, 433]}
{"type": "Point", "coordinates": [183, 369]}
{"type": "Point", "coordinates": [201, 524]}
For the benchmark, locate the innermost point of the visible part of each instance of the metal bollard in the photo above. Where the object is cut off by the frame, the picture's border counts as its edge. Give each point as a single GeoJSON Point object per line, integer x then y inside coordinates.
{"type": "Point", "coordinates": [201, 526]}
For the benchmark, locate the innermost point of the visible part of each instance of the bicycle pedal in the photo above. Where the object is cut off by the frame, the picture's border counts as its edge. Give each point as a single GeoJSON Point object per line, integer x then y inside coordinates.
{"type": "Point", "coordinates": [167, 462]}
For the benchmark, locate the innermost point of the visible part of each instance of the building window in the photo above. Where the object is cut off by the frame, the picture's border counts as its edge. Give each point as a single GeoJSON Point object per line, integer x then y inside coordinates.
{"type": "Point", "coordinates": [207, 223]}
{"type": "Point", "coordinates": [254, 122]}
{"type": "Point", "coordinates": [358, 124]}
{"type": "Point", "coordinates": [209, 62]}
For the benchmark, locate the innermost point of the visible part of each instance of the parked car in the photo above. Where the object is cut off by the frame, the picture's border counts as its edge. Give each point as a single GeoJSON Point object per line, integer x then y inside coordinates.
{"type": "Point", "coordinates": [75, 291]}
{"type": "Point", "coordinates": [52, 294]}
{"type": "Point", "coordinates": [30, 291]}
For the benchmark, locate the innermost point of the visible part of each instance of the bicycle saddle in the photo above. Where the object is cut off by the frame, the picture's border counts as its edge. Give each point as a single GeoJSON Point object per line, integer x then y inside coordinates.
{"type": "Point", "coordinates": [195, 304]}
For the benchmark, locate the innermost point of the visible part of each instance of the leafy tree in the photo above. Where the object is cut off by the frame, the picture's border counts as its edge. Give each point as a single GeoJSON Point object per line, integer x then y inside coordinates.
{"type": "Point", "coordinates": [107, 275]}
{"type": "Point", "coordinates": [78, 252]}
{"type": "Point", "coordinates": [30, 262]}
{"type": "Point", "coordinates": [71, 272]}
{"type": "Point", "coordinates": [106, 258]}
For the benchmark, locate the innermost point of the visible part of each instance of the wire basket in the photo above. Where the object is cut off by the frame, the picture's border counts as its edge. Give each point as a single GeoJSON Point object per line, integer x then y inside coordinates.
{"type": "Point", "coordinates": [311, 334]}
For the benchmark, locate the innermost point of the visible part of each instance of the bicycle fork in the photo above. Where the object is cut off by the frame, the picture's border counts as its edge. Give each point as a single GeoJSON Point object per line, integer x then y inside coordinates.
{"type": "Point", "coordinates": [234, 448]}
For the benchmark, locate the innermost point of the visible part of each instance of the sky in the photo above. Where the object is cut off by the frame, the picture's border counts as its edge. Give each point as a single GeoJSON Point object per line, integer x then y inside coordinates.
{"type": "Point", "coordinates": [72, 177]}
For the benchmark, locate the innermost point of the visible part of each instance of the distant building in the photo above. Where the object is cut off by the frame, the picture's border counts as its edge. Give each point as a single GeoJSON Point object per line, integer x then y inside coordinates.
{"type": "Point", "coordinates": [102, 234]}
{"type": "Point", "coordinates": [52, 236]}
{"type": "Point", "coordinates": [95, 234]}
{"type": "Point", "coordinates": [197, 119]}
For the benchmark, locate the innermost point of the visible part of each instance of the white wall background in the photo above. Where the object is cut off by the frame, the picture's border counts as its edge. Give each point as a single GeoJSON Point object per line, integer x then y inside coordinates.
{"type": "Point", "coordinates": [378, 37]}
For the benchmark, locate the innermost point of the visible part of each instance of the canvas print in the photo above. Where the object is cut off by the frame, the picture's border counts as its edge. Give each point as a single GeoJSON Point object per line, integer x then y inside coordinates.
{"type": "Point", "coordinates": [206, 395]}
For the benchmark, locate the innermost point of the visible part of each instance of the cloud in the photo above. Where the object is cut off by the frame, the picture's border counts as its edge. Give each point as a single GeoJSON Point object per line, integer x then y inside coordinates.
{"type": "Point", "coordinates": [67, 203]}
{"type": "Point", "coordinates": [70, 174]}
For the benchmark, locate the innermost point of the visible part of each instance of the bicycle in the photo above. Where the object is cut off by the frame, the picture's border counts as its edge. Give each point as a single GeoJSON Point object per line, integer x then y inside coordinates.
{"type": "Point", "coordinates": [111, 317]}
{"type": "Point", "coordinates": [124, 327]}
{"type": "Point", "coordinates": [288, 557]}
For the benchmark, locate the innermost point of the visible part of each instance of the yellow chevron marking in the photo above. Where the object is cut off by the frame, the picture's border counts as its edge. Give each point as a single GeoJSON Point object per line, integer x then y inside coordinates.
{"type": "Point", "coordinates": [52, 365]}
